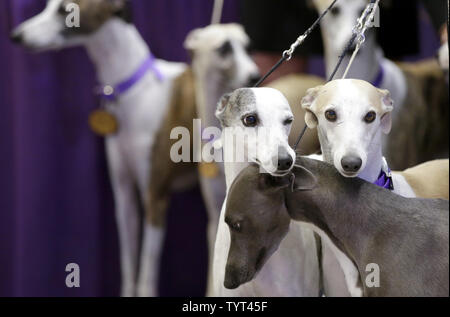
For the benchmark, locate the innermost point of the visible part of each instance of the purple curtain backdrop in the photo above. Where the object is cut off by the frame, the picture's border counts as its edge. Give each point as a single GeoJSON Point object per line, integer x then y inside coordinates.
{"type": "Point", "coordinates": [56, 204]}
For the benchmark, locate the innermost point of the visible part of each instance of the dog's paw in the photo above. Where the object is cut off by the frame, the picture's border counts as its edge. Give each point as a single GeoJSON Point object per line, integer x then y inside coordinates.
{"type": "Point", "coordinates": [146, 291]}
{"type": "Point", "coordinates": [128, 290]}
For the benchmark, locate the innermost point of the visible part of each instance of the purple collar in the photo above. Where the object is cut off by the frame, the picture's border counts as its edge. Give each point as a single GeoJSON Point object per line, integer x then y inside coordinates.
{"type": "Point", "coordinates": [385, 180]}
{"type": "Point", "coordinates": [379, 78]}
{"type": "Point", "coordinates": [111, 93]}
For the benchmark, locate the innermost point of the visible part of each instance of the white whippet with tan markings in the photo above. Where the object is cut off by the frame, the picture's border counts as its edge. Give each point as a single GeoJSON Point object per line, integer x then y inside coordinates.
{"type": "Point", "coordinates": [293, 269]}
{"type": "Point", "coordinates": [142, 108]}
{"type": "Point", "coordinates": [351, 116]}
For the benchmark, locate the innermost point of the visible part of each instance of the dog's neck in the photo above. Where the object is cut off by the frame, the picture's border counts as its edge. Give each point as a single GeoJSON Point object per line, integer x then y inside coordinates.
{"type": "Point", "coordinates": [209, 88]}
{"type": "Point", "coordinates": [349, 211]}
{"type": "Point", "coordinates": [374, 163]}
{"type": "Point", "coordinates": [232, 170]}
{"type": "Point", "coordinates": [117, 50]}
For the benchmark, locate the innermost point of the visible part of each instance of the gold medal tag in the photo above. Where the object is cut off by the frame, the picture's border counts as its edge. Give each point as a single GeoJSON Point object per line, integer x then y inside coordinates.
{"type": "Point", "coordinates": [208, 170]}
{"type": "Point", "coordinates": [103, 123]}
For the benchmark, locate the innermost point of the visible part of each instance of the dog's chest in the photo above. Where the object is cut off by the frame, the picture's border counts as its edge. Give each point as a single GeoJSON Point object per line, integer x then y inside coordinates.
{"type": "Point", "coordinates": [142, 108]}
{"type": "Point", "coordinates": [141, 111]}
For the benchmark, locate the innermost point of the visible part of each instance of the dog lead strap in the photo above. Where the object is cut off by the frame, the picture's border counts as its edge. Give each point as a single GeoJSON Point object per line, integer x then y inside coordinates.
{"type": "Point", "coordinates": [111, 93]}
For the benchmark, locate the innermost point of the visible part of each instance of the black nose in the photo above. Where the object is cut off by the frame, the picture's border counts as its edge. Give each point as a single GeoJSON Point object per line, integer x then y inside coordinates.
{"type": "Point", "coordinates": [253, 79]}
{"type": "Point", "coordinates": [351, 164]}
{"type": "Point", "coordinates": [284, 159]}
{"type": "Point", "coordinates": [16, 37]}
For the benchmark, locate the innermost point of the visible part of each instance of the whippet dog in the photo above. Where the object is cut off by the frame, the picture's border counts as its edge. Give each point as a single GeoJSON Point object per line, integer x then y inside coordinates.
{"type": "Point", "coordinates": [293, 270]}
{"type": "Point", "coordinates": [220, 64]}
{"type": "Point", "coordinates": [351, 116]}
{"type": "Point", "coordinates": [154, 86]}
{"type": "Point", "coordinates": [118, 52]}
{"type": "Point", "coordinates": [420, 117]}
{"type": "Point", "coordinates": [403, 241]}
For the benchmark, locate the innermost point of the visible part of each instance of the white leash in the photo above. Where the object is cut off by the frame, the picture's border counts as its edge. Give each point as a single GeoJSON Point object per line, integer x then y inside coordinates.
{"type": "Point", "coordinates": [360, 28]}
{"type": "Point", "coordinates": [217, 12]}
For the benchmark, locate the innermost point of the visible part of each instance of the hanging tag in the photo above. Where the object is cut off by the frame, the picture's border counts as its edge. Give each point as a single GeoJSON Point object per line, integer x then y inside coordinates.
{"type": "Point", "coordinates": [103, 122]}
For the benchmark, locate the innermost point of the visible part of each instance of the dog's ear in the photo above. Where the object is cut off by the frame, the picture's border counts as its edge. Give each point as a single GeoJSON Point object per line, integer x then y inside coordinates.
{"type": "Point", "coordinates": [117, 5]}
{"type": "Point", "coordinates": [192, 41]}
{"type": "Point", "coordinates": [272, 183]}
{"type": "Point", "coordinates": [387, 105]}
{"type": "Point", "coordinates": [122, 9]}
{"type": "Point", "coordinates": [319, 5]}
{"type": "Point", "coordinates": [307, 104]}
{"type": "Point", "coordinates": [222, 106]}
{"type": "Point", "coordinates": [304, 179]}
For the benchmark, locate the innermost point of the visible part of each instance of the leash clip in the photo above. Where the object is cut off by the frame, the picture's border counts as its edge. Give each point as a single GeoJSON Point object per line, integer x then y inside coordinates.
{"type": "Point", "coordinates": [288, 53]}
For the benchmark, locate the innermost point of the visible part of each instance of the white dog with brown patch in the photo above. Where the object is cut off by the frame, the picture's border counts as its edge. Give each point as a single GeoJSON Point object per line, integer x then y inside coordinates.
{"type": "Point", "coordinates": [351, 117]}
{"type": "Point", "coordinates": [140, 93]}
{"type": "Point", "coordinates": [293, 269]}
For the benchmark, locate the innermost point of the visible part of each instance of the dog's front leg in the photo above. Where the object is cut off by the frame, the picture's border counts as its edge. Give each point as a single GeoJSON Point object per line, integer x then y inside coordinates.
{"type": "Point", "coordinates": [154, 224]}
{"type": "Point", "coordinates": [127, 216]}
{"type": "Point", "coordinates": [213, 191]}
{"type": "Point", "coordinates": [150, 260]}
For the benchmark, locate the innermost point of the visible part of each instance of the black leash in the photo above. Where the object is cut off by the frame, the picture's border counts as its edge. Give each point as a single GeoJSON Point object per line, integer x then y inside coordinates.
{"type": "Point", "coordinates": [336, 68]}
{"type": "Point", "coordinates": [274, 67]}
{"type": "Point", "coordinates": [288, 53]}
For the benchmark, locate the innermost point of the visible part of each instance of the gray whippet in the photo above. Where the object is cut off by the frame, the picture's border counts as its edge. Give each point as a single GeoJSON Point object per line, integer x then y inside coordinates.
{"type": "Point", "coordinates": [406, 238]}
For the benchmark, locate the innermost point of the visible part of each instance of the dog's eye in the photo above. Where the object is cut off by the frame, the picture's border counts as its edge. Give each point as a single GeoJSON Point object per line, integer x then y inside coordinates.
{"type": "Point", "coordinates": [370, 117]}
{"type": "Point", "coordinates": [250, 120]}
{"type": "Point", "coordinates": [335, 11]}
{"type": "Point", "coordinates": [225, 49]}
{"type": "Point", "coordinates": [331, 115]}
{"type": "Point", "coordinates": [236, 226]}
{"type": "Point", "coordinates": [288, 121]}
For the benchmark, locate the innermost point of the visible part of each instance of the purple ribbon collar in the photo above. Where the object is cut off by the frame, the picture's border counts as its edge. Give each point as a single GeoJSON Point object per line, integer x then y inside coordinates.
{"type": "Point", "coordinates": [379, 78]}
{"type": "Point", "coordinates": [111, 93]}
{"type": "Point", "coordinates": [385, 178]}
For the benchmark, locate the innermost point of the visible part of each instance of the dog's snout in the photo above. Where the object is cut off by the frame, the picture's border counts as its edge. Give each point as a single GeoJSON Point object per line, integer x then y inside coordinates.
{"type": "Point", "coordinates": [284, 160]}
{"type": "Point", "coordinates": [253, 79]}
{"type": "Point", "coordinates": [16, 37]}
{"type": "Point", "coordinates": [351, 164]}
{"type": "Point", "coordinates": [232, 277]}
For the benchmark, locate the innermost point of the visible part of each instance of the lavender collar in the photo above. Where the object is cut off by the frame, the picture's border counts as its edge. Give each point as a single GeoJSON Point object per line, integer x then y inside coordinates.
{"type": "Point", "coordinates": [111, 93]}
{"type": "Point", "coordinates": [385, 178]}
{"type": "Point", "coordinates": [379, 78]}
